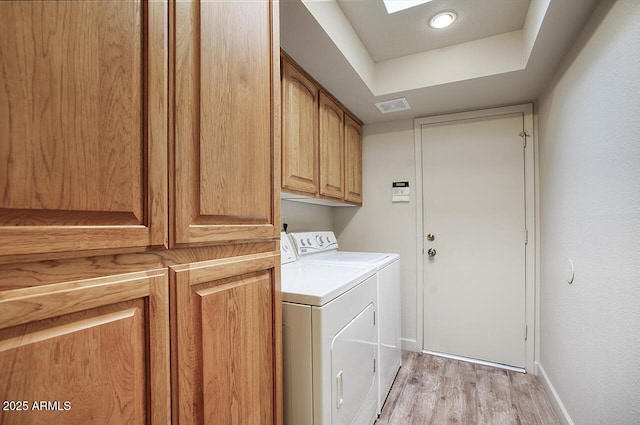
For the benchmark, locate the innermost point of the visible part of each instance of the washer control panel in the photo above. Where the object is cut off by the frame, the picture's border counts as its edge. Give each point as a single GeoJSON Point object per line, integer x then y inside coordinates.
{"type": "Point", "coordinates": [313, 242]}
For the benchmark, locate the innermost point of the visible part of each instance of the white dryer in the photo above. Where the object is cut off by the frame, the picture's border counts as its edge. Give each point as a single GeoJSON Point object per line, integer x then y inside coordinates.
{"type": "Point", "coordinates": [322, 247]}
{"type": "Point", "coordinates": [329, 342]}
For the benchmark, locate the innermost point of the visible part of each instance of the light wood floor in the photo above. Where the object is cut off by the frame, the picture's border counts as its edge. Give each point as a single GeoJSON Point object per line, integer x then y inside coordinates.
{"type": "Point", "coordinates": [432, 390]}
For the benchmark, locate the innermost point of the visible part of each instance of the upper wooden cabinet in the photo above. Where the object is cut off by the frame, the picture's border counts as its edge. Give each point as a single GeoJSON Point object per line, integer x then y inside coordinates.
{"type": "Point", "coordinates": [331, 148]}
{"type": "Point", "coordinates": [82, 125]}
{"type": "Point", "coordinates": [321, 142]}
{"type": "Point", "coordinates": [353, 160]}
{"type": "Point", "coordinates": [226, 122]}
{"type": "Point", "coordinates": [226, 326]}
{"type": "Point", "coordinates": [96, 350]}
{"type": "Point", "coordinates": [299, 131]}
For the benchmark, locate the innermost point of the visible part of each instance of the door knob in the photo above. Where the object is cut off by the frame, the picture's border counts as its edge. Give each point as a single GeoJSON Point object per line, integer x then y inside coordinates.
{"type": "Point", "coordinates": [432, 252]}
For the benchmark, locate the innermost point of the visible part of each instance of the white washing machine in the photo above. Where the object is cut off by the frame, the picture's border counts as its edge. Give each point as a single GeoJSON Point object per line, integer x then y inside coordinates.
{"type": "Point", "coordinates": [322, 247]}
{"type": "Point", "coordinates": [329, 342]}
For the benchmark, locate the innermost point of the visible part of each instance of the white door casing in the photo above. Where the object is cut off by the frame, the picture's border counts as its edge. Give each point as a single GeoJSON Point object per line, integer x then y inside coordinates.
{"type": "Point", "coordinates": [476, 178]}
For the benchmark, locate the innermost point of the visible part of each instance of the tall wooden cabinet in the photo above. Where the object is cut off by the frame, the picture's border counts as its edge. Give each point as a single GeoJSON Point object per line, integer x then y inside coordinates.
{"type": "Point", "coordinates": [139, 212]}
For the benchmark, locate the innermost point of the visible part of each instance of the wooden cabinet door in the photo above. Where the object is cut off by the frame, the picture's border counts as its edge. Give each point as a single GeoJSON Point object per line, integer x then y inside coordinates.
{"type": "Point", "coordinates": [226, 144]}
{"type": "Point", "coordinates": [299, 132]}
{"type": "Point", "coordinates": [353, 160]}
{"type": "Point", "coordinates": [331, 148]}
{"type": "Point", "coordinates": [82, 125]}
{"type": "Point", "coordinates": [226, 327]}
{"type": "Point", "coordinates": [91, 352]}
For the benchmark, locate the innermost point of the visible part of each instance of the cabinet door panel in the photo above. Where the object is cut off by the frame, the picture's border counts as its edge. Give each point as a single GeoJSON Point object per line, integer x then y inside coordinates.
{"type": "Point", "coordinates": [83, 134]}
{"type": "Point", "coordinates": [331, 148]}
{"type": "Point", "coordinates": [299, 132]}
{"type": "Point", "coordinates": [226, 324]}
{"type": "Point", "coordinates": [95, 351]}
{"type": "Point", "coordinates": [227, 91]}
{"type": "Point", "coordinates": [353, 161]}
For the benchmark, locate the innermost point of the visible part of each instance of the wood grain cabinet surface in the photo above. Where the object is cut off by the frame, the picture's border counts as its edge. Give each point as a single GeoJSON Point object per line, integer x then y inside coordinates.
{"type": "Point", "coordinates": [93, 351]}
{"type": "Point", "coordinates": [299, 131]}
{"type": "Point", "coordinates": [226, 330]}
{"type": "Point", "coordinates": [140, 152]}
{"type": "Point", "coordinates": [331, 148]}
{"type": "Point", "coordinates": [82, 125]}
{"type": "Point", "coordinates": [226, 142]}
{"type": "Point", "coordinates": [321, 142]}
{"type": "Point", "coordinates": [353, 160]}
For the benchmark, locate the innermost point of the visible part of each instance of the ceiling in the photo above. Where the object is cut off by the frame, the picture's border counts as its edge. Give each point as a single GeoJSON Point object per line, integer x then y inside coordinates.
{"type": "Point", "coordinates": [388, 36]}
{"type": "Point", "coordinates": [498, 52]}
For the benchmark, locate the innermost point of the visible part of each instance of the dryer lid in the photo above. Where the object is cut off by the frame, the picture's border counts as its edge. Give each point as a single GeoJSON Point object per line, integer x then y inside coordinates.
{"type": "Point", "coordinates": [318, 283]}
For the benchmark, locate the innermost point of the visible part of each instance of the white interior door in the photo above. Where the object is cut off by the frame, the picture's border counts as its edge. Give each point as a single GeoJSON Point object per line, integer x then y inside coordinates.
{"type": "Point", "coordinates": [474, 206]}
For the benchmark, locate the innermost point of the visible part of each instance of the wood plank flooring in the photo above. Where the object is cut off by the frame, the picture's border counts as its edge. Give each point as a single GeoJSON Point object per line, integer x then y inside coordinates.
{"type": "Point", "coordinates": [432, 390]}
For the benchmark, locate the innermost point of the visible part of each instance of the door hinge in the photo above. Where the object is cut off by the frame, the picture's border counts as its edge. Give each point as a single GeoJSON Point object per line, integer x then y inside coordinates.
{"type": "Point", "coordinates": [374, 318]}
{"type": "Point", "coordinates": [526, 332]}
{"type": "Point", "coordinates": [526, 236]}
{"type": "Point", "coordinates": [524, 136]}
{"type": "Point", "coordinates": [374, 365]}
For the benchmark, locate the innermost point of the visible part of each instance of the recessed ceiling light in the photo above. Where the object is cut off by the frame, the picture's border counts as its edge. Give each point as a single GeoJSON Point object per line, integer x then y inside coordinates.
{"type": "Point", "coordinates": [443, 20]}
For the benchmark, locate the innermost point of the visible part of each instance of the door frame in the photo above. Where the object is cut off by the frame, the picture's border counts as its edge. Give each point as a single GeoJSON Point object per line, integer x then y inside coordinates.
{"type": "Point", "coordinates": [531, 264]}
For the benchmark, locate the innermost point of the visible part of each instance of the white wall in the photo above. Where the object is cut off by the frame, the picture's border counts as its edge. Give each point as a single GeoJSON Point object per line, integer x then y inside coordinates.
{"type": "Point", "coordinates": [380, 225]}
{"type": "Point", "coordinates": [303, 217]}
{"type": "Point", "coordinates": [589, 134]}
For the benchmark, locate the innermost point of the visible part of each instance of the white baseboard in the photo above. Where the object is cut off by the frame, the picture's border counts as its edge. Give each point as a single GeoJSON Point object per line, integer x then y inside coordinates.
{"type": "Point", "coordinates": [558, 406]}
{"type": "Point", "coordinates": [410, 345]}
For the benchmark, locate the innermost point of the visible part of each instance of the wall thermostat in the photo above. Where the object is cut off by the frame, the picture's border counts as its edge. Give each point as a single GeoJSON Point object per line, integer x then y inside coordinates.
{"type": "Point", "coordinates": [400, 192]}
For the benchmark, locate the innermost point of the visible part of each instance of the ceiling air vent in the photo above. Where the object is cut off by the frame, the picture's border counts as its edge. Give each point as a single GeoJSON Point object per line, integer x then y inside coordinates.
{"type": "Point", "coordinates": [393, 105]}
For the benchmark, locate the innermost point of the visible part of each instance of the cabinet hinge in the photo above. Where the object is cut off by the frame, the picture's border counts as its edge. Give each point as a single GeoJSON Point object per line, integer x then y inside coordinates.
{"type": "Point", "coordinates": [526, 236]}
{"type": "Point", "coordinates": [374, 318]}
{"type": "Point", "coordinates": [526, 332]}
{"type": "Point", "coordinates": [374, 365]}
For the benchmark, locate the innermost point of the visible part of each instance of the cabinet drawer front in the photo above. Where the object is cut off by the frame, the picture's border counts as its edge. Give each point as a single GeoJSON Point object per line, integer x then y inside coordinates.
{"type": "Point", "coordinates": [87, 352]}
{"type": "Point", "coordinates": [84, 148]}
{"type": "Point", "coordinates": [226, 101]}
{"type": "Point", "coordinates": [226, 322]}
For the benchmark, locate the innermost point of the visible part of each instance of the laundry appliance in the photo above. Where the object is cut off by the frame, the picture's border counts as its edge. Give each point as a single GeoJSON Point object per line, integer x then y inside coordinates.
{"type": "Point", "coordinates": [329, 341]}
{"type": "Point", "coordinates": [322, 247]}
